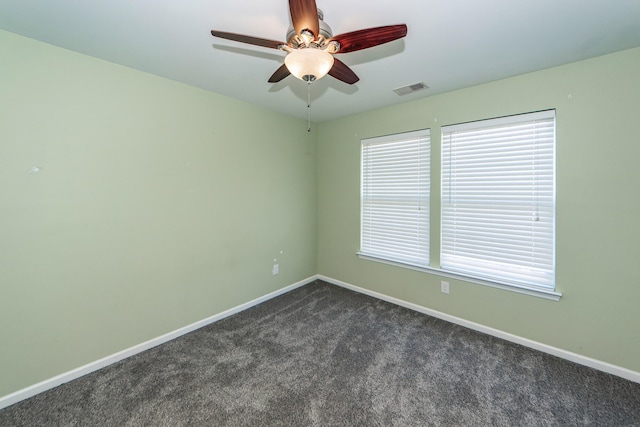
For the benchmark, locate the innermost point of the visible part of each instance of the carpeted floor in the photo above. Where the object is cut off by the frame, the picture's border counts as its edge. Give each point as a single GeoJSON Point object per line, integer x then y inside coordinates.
{"type": "Point", "coordinates": [325, 356]}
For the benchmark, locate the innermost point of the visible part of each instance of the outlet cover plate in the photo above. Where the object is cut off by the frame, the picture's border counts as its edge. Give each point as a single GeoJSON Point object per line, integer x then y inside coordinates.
{"type": "Point", "coordinates": [444, 287]}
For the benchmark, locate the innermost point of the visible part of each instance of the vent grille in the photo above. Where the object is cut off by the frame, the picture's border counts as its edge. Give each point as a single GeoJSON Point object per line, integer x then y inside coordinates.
{"type": "Point", "coordinates": [405, 90]}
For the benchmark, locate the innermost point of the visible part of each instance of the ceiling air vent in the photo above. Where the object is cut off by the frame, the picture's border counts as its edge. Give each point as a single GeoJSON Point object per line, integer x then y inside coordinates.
{"type": "Point", "coordinates": [405, 90]}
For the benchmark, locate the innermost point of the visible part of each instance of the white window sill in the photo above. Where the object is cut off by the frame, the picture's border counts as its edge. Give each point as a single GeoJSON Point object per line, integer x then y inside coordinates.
{"type": "Point", "coordinates": [521, 289]}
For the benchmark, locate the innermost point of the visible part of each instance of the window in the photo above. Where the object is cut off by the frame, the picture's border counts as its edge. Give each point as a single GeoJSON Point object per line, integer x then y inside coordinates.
{"type": "Point", "coordinates": [498, 199]}
{"type": "Point", "coordinates": [497, 202]}
{"type": "Point", "coordinates": [395, 198]}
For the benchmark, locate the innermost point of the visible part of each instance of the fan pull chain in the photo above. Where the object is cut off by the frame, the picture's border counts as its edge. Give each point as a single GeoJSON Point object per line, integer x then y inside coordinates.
{"type": "Point", "coordinates": [309, 106]}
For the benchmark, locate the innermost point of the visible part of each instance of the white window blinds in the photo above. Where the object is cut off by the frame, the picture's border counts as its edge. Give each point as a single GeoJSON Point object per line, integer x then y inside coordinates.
{"type": "Point", "coordinates": [498, 199]}
{"type": "Point", "coordinates": [395, 198]}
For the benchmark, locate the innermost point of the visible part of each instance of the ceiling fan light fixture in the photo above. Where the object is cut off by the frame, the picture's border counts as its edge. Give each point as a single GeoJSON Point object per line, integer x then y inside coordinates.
{"type": "Point", "coordinates": [310, 44]}
{"type": "Point", "coordinates": [309, 64]}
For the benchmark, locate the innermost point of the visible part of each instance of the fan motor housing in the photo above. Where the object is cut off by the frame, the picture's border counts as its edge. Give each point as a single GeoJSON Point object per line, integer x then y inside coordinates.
{"type": "Point", "coordinates": [325, 30]}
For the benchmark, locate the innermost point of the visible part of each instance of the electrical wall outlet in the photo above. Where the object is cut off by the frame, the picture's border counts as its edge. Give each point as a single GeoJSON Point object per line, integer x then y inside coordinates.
{"type": "Point", "coordinates": [444, 287]}
{"type": "Point", "coordinates": [275, 270]}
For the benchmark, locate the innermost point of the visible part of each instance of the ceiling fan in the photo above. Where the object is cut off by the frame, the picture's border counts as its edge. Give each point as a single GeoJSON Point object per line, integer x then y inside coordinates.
{"type": "Point", "coordinates": [311, 45]}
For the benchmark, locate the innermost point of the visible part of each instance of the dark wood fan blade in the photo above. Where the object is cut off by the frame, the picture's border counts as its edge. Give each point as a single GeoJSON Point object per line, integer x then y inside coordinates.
{"type": "Point", "coordinates": [342, 72]}
{"type": "Point", "coordinates": [273, 44]}
{"type": "Point", "coordinates": [304, 16]}
{"type": "Point", "coordinates": [280, 74]}
{"type": "Point", "coordinates": [363, 39]}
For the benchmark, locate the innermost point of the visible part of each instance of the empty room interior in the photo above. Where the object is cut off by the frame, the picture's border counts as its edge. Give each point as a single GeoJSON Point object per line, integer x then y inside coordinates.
{"type": "Point", "coordinates": [153, 183]}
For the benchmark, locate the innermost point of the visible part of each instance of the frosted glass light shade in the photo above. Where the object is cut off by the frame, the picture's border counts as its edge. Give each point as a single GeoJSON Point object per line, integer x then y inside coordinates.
{"type": "Point", "coordinates": [309, 64]}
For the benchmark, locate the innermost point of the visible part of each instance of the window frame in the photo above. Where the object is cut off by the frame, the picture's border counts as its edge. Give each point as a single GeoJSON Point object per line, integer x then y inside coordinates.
{"type": "Point", "coordinates": [528, 240]}
{"type": "Point", "coordinates": [382, 197]}
{"type": "Point", "coordinates": [433, 265]}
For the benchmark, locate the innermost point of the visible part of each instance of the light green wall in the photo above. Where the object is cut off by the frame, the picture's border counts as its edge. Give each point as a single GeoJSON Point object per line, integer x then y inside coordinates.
{"type": "Point", "coordinates": [157, 205]}
{"type": "Point", "coordinates": [598, 206]}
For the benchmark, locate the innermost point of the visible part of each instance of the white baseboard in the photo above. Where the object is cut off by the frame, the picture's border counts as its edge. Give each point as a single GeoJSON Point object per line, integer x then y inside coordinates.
{"type": "Point", "coordinates": [50, 383]}
{"type": "Point", "coordinates": [564, 354]}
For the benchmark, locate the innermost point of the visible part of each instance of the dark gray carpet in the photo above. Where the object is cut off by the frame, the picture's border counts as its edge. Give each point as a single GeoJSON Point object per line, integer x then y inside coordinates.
{"type": "Point", "coordinates": [322, 355]}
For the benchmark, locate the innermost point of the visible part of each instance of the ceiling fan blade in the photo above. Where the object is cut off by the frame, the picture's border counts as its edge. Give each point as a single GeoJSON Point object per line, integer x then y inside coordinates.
{"type": "Point", "coordinates": [273, 44]}
{"type": "Point", "coordinates": [363, 39]}
{"type": "Point", "coordinates": [304, 16]}
{"type": "Point", "coordinates": [342, 72]}
{"type": "Point", "coordinates": [280, 74]}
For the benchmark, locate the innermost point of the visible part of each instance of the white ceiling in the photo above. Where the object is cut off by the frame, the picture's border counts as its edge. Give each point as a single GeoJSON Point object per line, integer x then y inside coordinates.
{"type": "Point", "coordinates": [450, 44]}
